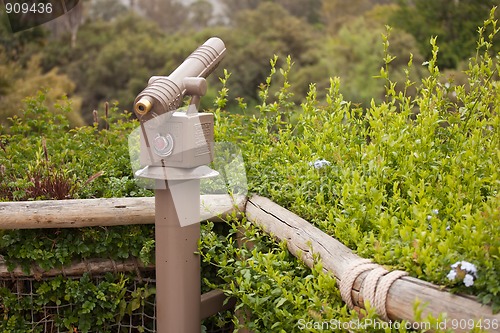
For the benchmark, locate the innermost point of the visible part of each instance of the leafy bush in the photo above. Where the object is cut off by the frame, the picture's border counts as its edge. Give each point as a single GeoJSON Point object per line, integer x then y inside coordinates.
{"type": "Point", "coordinates": [411, 182]}
{"type": "Point", "coordinates": [89, 161]}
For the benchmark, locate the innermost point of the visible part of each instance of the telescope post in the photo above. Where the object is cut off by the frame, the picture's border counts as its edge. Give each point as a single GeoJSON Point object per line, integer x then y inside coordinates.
{"type": "Point", "coordinates": [178, 282]}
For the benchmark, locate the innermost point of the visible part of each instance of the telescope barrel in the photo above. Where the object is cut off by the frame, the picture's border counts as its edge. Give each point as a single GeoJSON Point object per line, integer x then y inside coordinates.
{"type": "Point", "coordinates": [202, 62]}
{"type": "Point", "coordinates": [165, 93]}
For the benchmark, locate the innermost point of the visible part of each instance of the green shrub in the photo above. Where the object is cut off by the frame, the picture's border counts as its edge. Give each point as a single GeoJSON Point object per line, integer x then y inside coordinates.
{"type": "Point", "coordinates": [412, 182]}
{"type": "Point", "coordinates": [88, 161]}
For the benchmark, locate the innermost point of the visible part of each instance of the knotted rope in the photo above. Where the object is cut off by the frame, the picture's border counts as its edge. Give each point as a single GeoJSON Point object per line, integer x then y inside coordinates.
{"type": "Point", "coordinates": [375, 287]}
{"type": "Point", "coordinates": [350, 275]}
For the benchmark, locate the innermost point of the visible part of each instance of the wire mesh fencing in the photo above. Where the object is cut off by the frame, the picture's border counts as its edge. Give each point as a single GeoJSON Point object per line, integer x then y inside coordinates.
{"type": "Point", "coordinates": [37, 315]}
{"type": "Point", "coordinates": [23, 302]}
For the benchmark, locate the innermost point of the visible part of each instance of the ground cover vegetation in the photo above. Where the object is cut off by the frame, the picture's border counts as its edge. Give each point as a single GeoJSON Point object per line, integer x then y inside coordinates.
{"type": "Point", "coordinates": [411, 182]}
{"type": "Point", "coordinates": [409, 172]}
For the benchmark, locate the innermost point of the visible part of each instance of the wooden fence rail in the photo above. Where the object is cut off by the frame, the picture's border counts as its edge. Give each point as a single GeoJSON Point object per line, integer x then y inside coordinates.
{"type": "Point", "coordinates": [103, 212]}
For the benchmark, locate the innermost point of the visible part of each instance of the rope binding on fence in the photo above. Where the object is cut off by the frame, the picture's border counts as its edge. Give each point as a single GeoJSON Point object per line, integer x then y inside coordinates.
{"type": "Point", "coordinates": [375, 286]}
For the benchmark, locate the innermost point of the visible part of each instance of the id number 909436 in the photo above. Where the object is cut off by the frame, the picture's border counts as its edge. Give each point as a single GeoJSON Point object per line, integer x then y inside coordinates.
{"type": "Point", "coordinates": [28, 8]}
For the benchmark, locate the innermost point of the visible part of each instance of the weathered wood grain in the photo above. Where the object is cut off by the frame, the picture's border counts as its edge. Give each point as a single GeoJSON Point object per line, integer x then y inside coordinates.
{"type": "Point", "coordinates": [92, 266]}
{"type": "Point", "coordinates": [102, 212]}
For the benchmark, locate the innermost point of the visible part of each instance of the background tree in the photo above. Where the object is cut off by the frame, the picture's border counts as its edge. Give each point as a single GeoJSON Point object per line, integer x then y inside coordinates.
{"type": "Point", "coordinates": [19, 47]}
{"type": "Point", "coordinates": [253, 43]}
{"type": "Point", "coordinates": [306, 9]}
{"type": "Point", "coordinates": [355, 54]}
{"type": "Point", "coordinates": [233, 7]}
{"type": "Point", "coordinates": [107, 9]}
{"type": "Point", "coordinates": [29, 81]}
{"type": "Point", "coordinates": [68, 23]}
{"type": "Point", "coordinates": [200, 14]}
{"type": "Point", "coordinates": [170, 15]}
{"type": "Point", "coordinates": [335, 13]}
{"type": "Point", "coordinates": [310, 10]}
{"type": "Point", "coordinates": [21, 74]}
{"type": "Point", "coordinates": [455, 22]}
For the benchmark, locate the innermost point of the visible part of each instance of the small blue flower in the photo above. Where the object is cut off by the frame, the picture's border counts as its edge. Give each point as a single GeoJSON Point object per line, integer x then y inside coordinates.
{"type": "Point", "coordinates": [468, 280]}
{"type": "Point", "coordinates": [466, 266]}
{"type": "Point", "coordinates": [463, 270]}
{"type": "Point", "coordinates": [318, 164]}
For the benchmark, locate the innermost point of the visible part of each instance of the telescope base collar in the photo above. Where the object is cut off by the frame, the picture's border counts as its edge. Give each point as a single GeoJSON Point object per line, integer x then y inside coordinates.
{"type": "Point", "coordinates": [170, 173]}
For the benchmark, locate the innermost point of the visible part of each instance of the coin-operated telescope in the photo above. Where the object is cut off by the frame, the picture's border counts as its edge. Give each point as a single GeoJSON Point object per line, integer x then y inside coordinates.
{"type": "Point", "coordinates": [173, 138]}
{"type": "Point", "coordinates": [175, 148]}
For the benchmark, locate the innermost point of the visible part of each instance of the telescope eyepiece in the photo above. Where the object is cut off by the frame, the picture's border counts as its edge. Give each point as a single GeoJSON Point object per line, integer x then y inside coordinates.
{"type": "Point", "coordinates": [144, 105]}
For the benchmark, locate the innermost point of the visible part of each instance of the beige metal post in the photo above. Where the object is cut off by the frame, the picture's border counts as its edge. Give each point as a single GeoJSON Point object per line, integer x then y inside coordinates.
{"type": "Point", "coordinates": [177, 265]}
